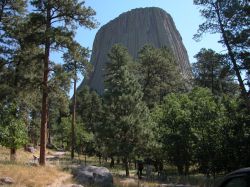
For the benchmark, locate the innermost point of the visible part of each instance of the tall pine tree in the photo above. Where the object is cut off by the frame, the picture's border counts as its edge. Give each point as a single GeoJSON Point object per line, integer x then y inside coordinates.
{"type": "Point", "coordinates": [75, 62]}
{"type": "Point", "coordinates": [213, 71]}
{"type": "Point", "coordinates": [60, 19]}
{"type": "Point", "coordinates": [158, 72]}
{"type": "Point", "coordinates": [126, 115]}
{"type": "Point", "coordinates": [231, 20]}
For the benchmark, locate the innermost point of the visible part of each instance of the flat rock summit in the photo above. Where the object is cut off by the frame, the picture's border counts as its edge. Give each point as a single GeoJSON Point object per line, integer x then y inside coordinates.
{"type": "Point", "coordinates": [134, 29]}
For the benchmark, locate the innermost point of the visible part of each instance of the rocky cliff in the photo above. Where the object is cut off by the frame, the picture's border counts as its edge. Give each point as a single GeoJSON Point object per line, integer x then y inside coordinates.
{"type": "Point", "coordinates": [134, 29]}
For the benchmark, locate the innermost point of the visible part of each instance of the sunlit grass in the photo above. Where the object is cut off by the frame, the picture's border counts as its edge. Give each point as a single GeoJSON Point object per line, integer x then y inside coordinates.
{"type": "Point", "coordinates": [26, 174]}
{"type": "Point", "coordinates": [22, 156]}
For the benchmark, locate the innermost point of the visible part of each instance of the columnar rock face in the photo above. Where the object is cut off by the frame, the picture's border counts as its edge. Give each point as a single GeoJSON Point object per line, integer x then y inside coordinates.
{"type": "Point", "coordinates": [134, 29]}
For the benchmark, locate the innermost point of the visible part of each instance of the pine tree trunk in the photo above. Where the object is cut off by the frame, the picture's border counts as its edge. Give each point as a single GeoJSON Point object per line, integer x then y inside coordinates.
{"type": "Point", "coordinates": [100, 159]}
{"type": "Point", "coordinates": [44, 117]}
{"type": "Point", "coordinates": [13, 154]}
{"type": "Point", "coordinates": [126, 167]}
{"type": "Point", "coordinates": [73, 122]}
{"type": "Point", "coordinates": [180, 169]}
{"type": "Point", "coordinates": [212, 77]}
{"type": "Point", "coordinates": [112, 162]}
{"type": "Point", "coordinates": [186, 169]}
{"type": "Point", "coordinates": [118, 160]}
{"type": "Point", "coordinates": [85, 160]}
{"type": "Point", "coordinates": [230, 52]}
{"type": "Point", "coordinates": [48, 134]}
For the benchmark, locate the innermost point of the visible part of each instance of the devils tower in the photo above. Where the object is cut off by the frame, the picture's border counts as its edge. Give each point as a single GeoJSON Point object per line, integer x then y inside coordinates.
{"type": "Point", "coordinates": [134, 29]}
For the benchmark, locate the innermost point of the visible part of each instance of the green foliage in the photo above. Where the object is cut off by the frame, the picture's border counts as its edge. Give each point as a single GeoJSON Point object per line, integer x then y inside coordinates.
{"type": "Point", "coordinates": [126, 116]}
{"type": "Point", "coordinates": [208, 129]}
{"type": "Point", "coordinates": [231, 20]}
{"type": "Point", "coordinates": [158, 74]}
{"type": "Point", "coordinates": [76, 61]}
{"type": "Point", "coordinates": [190, 128]}
{"type": "Point", "coordinates": [72, 10]}
{"type": "Point", "coordinates": [58, 21]}
{"type": "Point", "coordinates": [84, 140]}
{"type": "Point", "coordinates": [11, 14]}
{"type": "Point", "coordinates": [176, 133]}
{"type": "Point", "coordinates": [208, 118]}
{"type": "Point", "coordinates": [235, 134]}
{"type": "Point", "coordinates": [212, 70]}
{"type": "Point", "coordinates": [13, 131]}
{"type": "Point", "coordinates": [21, 74]}
{"type": "Point", "coordinates": [59, 81]}
{"type": "Point", "coordinates": [59, 86]}
{"type": "Point", "coordinates": [89, 108]}
{"type": "Point", "coordinates": [62, 133]}
{"type": "Point", "coordinates": [34, 126]}
{"type": "Point", "coordinates": [90, 115]}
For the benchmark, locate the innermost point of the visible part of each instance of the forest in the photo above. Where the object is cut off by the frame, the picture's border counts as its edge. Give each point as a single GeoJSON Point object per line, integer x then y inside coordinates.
{"type": "Point", "coordinates": [147, 112]}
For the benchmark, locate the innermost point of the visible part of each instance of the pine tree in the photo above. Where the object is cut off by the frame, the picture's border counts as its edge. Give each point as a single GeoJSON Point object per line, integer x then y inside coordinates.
{"type": "Point", "coordinates": [13, 131]}
{"type": "Point", "coordinates": [158, 74]}
{"type": "Point", "coordinates": [231, 20]}
{"type": "Point", "coordinates": [11, 13]}
{"type": "Point", "coordinates": [75, 62]}
{"type": "Point", "coordinates": [61, 18]}
{"type": "Point", "coordinates": [59, 86]}
{"type": "Point", "coordinates": [126, 115]}
{"type": "Point", "coordinates": [89, 107]}
{"type": "Point", "coordinates": [212, 70]}
{"type": "Point", "coordinates": [20, 76]}
{"type": "Point", "coordinates": [90, 115]}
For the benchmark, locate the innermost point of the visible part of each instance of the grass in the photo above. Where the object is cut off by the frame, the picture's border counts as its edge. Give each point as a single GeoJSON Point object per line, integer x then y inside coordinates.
{"type": "Point", "coordinates": [25, 174]}
{"type": "Point", "coordinates": [170, 176]}
{"type": "Point", "coordinates": [133, 182]}
{"type": "Point", "coordinates": [22, 156]}
{"type": "Point", "coordinates": [193, 180]}
{"type": "Point", "coordinates": [28, 175]}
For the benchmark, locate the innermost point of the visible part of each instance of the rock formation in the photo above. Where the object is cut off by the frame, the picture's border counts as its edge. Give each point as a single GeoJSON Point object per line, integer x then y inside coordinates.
{"type": "Point", "coordinates": [134, 29]}
{"type": "Point", "coordinates": [93, 176]}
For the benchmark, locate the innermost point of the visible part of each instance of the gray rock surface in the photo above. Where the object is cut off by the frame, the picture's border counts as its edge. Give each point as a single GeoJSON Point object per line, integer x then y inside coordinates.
{"type": "Point", "coordinates": [92, 175]}
{"type": "Point", "coordinates": [134, 29]}
{"type": "Point", "coordinates": [6, 180]}
{"type": "Point", "coordinates": [30, 149]}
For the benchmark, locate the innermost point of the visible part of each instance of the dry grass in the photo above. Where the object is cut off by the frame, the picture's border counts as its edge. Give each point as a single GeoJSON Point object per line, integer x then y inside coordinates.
{"type": "Point", "coordinates": [22, 156]}
{"type": "Point", "coordinates": [26, 175]}
{"type": "Point", "coordinates": [132, 182]}
{"type": "Point", "coordinates": [33, 176]}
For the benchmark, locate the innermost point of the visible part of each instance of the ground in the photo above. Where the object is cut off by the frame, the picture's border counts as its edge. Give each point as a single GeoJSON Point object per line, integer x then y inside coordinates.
{"type": "Point", "coordinates": [27, 173]}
